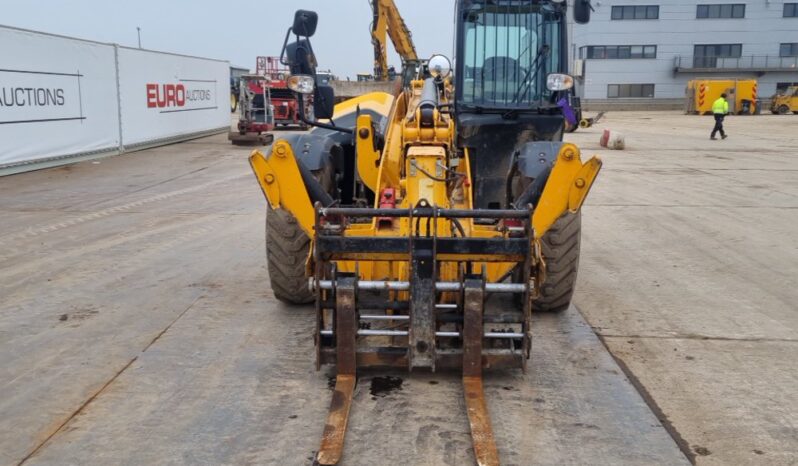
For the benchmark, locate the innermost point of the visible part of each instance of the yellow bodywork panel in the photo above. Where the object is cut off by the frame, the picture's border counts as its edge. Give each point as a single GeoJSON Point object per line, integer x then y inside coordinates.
{"type": "Point", "coordinates": [368, 157]}
{"type": "Point", "coordinates": [279, 178]}
{"type": "Point", "coordinates": [582, 184]}
{"type": "Point", "coordinates": [566, 188]}
{"type": "Point", "coordinates": [424, 174]}
{"type": "Point", "coordinates": [379, 102]}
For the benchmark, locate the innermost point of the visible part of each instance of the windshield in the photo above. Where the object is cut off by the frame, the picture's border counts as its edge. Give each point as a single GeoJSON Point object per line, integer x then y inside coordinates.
{"type": "Point", "coordinates": [507, 52]}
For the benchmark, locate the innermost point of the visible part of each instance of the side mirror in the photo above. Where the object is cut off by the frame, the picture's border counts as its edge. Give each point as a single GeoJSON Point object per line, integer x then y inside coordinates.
{"type": "Point", "coordinates": [299, 57]}
{"type": "Point", "coordinates": [323, 102]}
{"type": "Point", "coordinates": [305, 22]}
{"type": "Point", "coordinates": [582, 11]}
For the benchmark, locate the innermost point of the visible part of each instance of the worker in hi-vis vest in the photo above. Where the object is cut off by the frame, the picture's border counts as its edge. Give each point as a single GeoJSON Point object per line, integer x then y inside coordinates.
{"type": "Point", "coordinates": [719, 108]}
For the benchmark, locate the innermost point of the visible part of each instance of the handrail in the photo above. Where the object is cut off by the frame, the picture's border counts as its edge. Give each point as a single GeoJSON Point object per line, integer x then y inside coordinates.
{"type": "Point", "coordinates": [746, 62]}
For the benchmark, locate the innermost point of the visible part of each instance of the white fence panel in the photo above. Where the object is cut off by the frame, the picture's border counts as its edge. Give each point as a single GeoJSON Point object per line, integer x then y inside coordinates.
{"type": "Point", "coordinates": [57, 97]}
{"type": "Point", "coordinates": [165, 96]}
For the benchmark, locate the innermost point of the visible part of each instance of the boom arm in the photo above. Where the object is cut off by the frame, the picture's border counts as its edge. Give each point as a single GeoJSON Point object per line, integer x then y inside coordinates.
{"type": "Point", "coordinates": [389, 23]}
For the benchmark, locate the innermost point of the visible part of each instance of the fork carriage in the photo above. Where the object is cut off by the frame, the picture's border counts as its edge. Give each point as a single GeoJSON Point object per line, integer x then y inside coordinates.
{"type": "Point", "coordinates": [422, 321]}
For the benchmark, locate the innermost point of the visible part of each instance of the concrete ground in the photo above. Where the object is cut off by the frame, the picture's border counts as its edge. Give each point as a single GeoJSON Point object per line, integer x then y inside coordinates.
{"type": "Point", "coordinates": [137, 326]}
{"type": "Point", "coordinates": [688, 274]}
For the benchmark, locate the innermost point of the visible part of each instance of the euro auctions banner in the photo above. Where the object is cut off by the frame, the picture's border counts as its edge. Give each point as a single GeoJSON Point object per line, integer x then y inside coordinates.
{"type": "Point", "coordinates": [62, 98]}
{"type": "Point", "coordinates": [165, 96]}
{"type": "Point", "coordinates": [57, 97]}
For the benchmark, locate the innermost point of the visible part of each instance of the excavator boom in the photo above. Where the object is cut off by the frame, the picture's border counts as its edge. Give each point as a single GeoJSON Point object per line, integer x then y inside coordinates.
{"type": "Point", "coordinates": [387, 23]}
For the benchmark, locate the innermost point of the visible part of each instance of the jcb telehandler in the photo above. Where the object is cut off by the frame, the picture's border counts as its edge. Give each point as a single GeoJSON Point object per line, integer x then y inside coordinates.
{"type": "Point", "coordinates": [398, 215]}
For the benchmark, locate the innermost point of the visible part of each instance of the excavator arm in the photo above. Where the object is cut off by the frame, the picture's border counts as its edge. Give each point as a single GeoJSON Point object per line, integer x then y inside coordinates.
{"type": "Point", "coordinates": [389, 23]}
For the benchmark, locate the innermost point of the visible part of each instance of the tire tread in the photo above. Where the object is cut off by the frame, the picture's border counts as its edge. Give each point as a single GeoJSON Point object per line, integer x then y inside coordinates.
{"type": "Point", "coordinates": [560, 246]}
{"type": "Point", "coordinates": [287, 247]}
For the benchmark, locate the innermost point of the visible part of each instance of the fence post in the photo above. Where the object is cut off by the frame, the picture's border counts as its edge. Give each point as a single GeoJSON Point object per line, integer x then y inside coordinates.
{"type": "Point", "coordinates": [118, 98]}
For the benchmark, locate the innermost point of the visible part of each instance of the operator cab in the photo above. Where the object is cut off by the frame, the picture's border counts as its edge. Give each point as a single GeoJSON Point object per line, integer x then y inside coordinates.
{"type": "Point", "coordinates": [511, 69]}
{"type": "Point", "coordinates": [512, 55]}
{"type": "Point", "coordinates": [505, 51]}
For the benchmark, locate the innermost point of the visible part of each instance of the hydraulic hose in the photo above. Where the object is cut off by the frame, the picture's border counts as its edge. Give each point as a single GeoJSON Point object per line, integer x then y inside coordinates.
{"type": "Point", "coordinates": [315, 190]}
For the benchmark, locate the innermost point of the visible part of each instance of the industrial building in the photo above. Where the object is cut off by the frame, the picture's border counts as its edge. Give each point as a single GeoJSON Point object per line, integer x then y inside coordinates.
{"type": "Point", "coordinates": [634, 51]}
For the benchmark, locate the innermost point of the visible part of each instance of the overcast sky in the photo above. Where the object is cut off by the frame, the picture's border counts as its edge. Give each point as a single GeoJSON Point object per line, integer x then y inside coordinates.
{"type": "Point", "coordinates": [236, 31]}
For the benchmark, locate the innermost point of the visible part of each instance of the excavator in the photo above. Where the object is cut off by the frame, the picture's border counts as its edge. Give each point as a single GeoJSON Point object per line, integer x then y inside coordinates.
{"type": "Point", "coordinates": [402, 216]}
{"type": "Point", "coordinates": [388, 22]}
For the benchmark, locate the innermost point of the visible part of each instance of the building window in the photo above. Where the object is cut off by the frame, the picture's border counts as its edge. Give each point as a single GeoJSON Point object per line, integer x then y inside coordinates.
{"type": "Point", "coordinates": [635, 12]}
{"type": "Point", "coordinates": [791, 10]}
{"type": "Point", "coordinates": [706, 56]}
{"type": "Point", "coordinates": [618, 51]}
{"type": "Point", "coordinates": [723, 10]}
{"type": "Point", "coordinates": [620, 91]}
{"type": "Point", "coordinates": [719, 50]}
{"type": "Point", "coordinates": [789, 50]}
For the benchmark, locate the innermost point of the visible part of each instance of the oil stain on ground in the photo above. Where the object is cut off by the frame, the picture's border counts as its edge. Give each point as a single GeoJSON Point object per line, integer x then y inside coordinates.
{"type": "Point", "coordinates": [382, 386]}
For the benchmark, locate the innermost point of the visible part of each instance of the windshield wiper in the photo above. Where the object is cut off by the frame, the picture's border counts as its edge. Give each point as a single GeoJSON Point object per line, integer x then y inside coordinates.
{"type": "Point", "coordinates": [534, 68]}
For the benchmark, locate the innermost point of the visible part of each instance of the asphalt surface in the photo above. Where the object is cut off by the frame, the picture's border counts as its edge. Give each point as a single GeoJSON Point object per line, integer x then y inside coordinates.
{"type": "Point", "coordinates": [137, 327]}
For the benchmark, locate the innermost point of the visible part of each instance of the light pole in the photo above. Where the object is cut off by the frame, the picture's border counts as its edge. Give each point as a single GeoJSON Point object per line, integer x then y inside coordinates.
{"type": "Point", "coordinates": [138, 31]}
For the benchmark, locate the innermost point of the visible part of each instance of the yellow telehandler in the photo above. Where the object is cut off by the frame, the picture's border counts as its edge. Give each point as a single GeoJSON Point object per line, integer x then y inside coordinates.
{"type": "Point", "coordinates": [398, 215]}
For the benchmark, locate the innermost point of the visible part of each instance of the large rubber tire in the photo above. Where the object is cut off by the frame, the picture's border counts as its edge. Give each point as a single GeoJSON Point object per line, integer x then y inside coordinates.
{"type": "Point", "coordinates": [561, 253]}
{"type": "Point", "coordinates": [783, 110]}
{"type": "Point", "coordinates": [287, 248]}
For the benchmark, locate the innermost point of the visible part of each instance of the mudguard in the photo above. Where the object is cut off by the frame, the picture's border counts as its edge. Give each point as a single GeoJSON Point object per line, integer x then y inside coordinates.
{"type": "Point", "coordinates": [320, 147]}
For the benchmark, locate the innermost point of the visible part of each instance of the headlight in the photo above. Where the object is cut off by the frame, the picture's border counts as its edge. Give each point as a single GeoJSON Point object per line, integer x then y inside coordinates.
{"type": "Point", "coordinates": [301, 83]}
{"type": "Point", "coordinates": [559, 82]}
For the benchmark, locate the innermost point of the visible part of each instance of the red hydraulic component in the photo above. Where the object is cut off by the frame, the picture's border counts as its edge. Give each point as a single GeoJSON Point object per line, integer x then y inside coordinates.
{"type": "Point", "coordinates": [387, 201]}
{"type": "Point", "coordinates": [514, 227]}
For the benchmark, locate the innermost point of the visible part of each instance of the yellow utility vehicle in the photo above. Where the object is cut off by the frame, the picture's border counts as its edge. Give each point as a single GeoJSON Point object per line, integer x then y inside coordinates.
{"type": "Point", "coordinates": [741, 95]}
{"type": "Point", "coordinates": [785, 102]}
{"type": "Point", "coordinates": [399, 215]}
